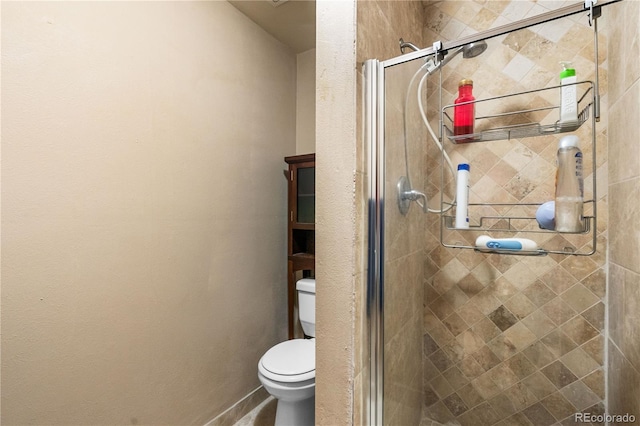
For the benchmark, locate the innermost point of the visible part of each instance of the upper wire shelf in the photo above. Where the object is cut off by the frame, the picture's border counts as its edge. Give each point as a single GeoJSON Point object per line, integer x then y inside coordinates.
{"type": "Point", "coordinates": [497, 124]}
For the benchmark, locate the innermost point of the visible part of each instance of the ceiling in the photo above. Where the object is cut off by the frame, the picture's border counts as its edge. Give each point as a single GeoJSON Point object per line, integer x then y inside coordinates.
{"type": "Point", "coordinates": [292, 22]}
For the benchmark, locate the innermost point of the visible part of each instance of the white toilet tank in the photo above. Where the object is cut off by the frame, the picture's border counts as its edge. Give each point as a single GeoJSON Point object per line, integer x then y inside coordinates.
{"type": "Point", "coordinates": [307, 305]}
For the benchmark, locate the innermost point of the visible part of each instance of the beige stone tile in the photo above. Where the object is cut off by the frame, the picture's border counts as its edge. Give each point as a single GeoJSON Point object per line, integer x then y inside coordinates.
{"type": "Point", "coordinates": [429, 345]}
{"type": "Point", "coordinates": [595, 382]}
{"type": "Point", "coordinates": [624, 245]}
{"type": "Point", "coordinates": [455, 404]}
{"type": "Point", "coordinates": [449, 275]}
{"type": "Point", "coordinates": [441, 386]}
{"type": "Point", "coordinates": [539, 293]}
{"type": "Point", "coordinates": [519, 336]}
{"type": "Point", "coordinates": [485, 387]}
{"type": "Point", "coordinates": [486, 358]}
{"type": "Point", "coordinates": [429, 372]}
{"type": "Point", "coordinates": [440, 308]}
{"type": "Point", "coordinates": [440, 255]}
{"type": "Point", "coordinates": [596, 282]}
{"type": "Point", "coordinates": [502, 347]}
{"type": "Point", "coordinates": [502, 376]}
{"type": "Point", "coordinates": [538, 415]}
{"type": "Point", "coordinates": [485, 302]}
{"type": "Point", "coordinates": [470, 367]}
{"type": "Point", "coordinates": [539, 323]}
{"type": "Point", "coordinates": [623, 391]}
{"type": "Point", "coordinates": [455, 297]}
{"type": "Point", "coordinates": [595, 316]}
{"type": "Point", "coordinates": [520, 365]}
{"type": "Point", "coordinates": [518, 39]}
{"type": "Point", "coordinates": [632, 68]}
{"type": "Point", "coordinates": [517, 419]}
{"type": "Point", "coordinates": [558, 311]}
{"type": "Point", "coordinates": [558, 406]}
{"type": "Point", "coordinates": [579, 362]}
{"type": "Point", "coordinates": [483, 19]}
{"type": "Point", "coordinates": [631, 321]}
{"type": "Point", "coordinates": [502, 406]}
{"type": "Point", "coordinates": [579, 330]}
{"type": "Point", "coordinates": [470, 313]}
{"type": "Point", "coordinates": [559, 374]}
{"type": "Point", "coordinates": [595, 348]}
{"type": "Point", "coordinates": [520, 306]}
{"type": "Point", "coordinates": [502, 318]}
{"type": "Point", "coordinates": [455, 324]}
{"type": "Point", "coordinates": [520, 396]}
{"type": "Point", "coordinates": [501, 288]}
{"type": "Point", "coordinates": [579, 298]}
{"type": "Point", "coordinates": [454, 351]}
{"type": "Point", "coordinates": [470, 286]}
{"type": "Point", "coordinates": [441, 360]}
{"type": "Point", "coordinates": [440, 333]}
{"type": "Point", "coordinates": [520, 276]}
{"type": "Point", "coordinates": [483, 414]}
{"type": "Point", "coordinates": [469, 258]}
{"type": "Point", "coordinates": [502, 263]}
{"type": "Point", "coordinates": [470, 395]}
{"type": "Point", "coordinates": [440, 413]}
{"type": "Point", "coordinates": [470, 342]}
{"type": "Point", "coordinates": [539, 355]}
{"type": "Point", "coordinates": [579, 266]}
{"type": "Point", "coordinates": [579, 395]}
{"type": "Point", "coordinates": [558, 343]}
{"type": "Point", "coordinates": [539, 385]}
{"type": "Point", "coordinates": [455, 378]}
{"type": "Point", "coordinates": [486, 329]}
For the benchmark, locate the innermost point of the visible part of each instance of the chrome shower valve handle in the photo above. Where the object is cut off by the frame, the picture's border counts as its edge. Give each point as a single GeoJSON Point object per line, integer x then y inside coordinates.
{"type": "Point", "coordinates": [406, 195]}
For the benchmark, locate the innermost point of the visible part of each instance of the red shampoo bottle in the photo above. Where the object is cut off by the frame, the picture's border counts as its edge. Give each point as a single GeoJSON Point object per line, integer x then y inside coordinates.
{"type": "Point", "coordinates": [464, 115]}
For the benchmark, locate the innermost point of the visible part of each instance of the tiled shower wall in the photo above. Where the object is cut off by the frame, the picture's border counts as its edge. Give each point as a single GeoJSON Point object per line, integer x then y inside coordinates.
{"type": "Point", "coordinates": [624, 233]}
{"type": "Point", "coordinates": [514, 340]}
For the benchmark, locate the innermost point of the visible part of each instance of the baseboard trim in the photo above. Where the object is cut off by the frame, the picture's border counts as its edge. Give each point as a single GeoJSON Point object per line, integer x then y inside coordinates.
{"type": "Point", "coordinates": [238, 410]}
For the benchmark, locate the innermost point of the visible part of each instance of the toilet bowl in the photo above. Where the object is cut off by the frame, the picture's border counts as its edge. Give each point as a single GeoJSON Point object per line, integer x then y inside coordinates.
{"type": "Point", "coordinates": [288, 370]}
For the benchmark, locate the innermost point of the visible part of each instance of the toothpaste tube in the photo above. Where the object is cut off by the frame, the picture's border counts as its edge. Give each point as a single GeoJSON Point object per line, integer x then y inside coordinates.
{"type": "Point", "coordinates": [485, 242]}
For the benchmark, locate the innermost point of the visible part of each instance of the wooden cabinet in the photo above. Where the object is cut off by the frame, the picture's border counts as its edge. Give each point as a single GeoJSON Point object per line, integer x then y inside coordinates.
{"type": "Point", "coordinates": [301, 225]}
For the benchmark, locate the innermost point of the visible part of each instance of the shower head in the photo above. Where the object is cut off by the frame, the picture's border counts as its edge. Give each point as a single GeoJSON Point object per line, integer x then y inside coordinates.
{"type": "Point", "coordinates": [470, 50]}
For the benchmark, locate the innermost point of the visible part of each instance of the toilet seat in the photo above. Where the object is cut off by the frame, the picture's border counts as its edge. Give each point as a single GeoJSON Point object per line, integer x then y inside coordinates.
{"type": "Point", "coordinates": [290, 361]}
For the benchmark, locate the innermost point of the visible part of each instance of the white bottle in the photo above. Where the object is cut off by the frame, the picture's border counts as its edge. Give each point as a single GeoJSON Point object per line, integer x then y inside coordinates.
{"type": "Point", "coordinates": [462, 196]}
{"type": "Point", "coordinates": [568, 95]}
{"type": "Point", "coordinates": [569, 186]}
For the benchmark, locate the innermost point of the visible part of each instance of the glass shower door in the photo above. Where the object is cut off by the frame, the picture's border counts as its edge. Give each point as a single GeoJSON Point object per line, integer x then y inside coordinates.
{"type": "Point", "coordinates": [399, 209]}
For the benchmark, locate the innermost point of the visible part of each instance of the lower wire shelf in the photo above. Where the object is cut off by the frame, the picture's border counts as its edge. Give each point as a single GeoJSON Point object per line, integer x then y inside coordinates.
{"type": "Point", "coordinates": [582, 243]}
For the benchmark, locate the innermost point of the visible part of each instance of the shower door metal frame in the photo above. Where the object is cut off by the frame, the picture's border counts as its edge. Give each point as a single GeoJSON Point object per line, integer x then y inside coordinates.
{"type": "Point", "coordinates": [373, 123]}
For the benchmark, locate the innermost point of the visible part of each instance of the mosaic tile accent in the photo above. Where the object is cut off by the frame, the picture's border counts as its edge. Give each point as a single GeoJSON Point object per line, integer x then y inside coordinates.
{"type": "Point", "coordinates": [512, 340]}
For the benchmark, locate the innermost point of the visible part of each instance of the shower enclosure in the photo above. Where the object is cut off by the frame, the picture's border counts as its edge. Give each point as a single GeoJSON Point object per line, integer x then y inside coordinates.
{"type": "Point", "coordinates": [457, 333]}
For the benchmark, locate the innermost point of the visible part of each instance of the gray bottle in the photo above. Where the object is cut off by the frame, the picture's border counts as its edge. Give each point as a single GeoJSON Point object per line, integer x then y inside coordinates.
{"type": "Point", "coordinates": [569, 186]}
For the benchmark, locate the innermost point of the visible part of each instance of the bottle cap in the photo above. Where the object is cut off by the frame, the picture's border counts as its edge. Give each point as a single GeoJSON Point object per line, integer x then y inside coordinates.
{"type": "Point", "coordinates": [568, 141]}
{"type": "Point", "coordinates": [463, 166]}
{"type": "Point", "coordinates": [465, 82]}
{"type": "Point", "coordinates": [567, 71]}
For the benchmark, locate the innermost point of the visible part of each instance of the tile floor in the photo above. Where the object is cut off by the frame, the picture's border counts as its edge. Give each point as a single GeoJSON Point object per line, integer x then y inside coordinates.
{"type": "Point", "coordinates": [263, 415]}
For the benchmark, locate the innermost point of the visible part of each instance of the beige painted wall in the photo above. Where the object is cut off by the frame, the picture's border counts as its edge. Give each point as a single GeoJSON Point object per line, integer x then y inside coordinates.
{"type": "Point", "coordinates": [623, 374]}
{"type": "Point", "coordinates": [306, 102]}
{"type": "Point", "coordinates": [143, 209]}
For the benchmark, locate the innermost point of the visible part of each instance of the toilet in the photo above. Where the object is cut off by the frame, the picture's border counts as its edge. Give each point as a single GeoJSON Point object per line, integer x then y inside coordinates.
{"type": "Point", "coordinates": [288, 370]}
